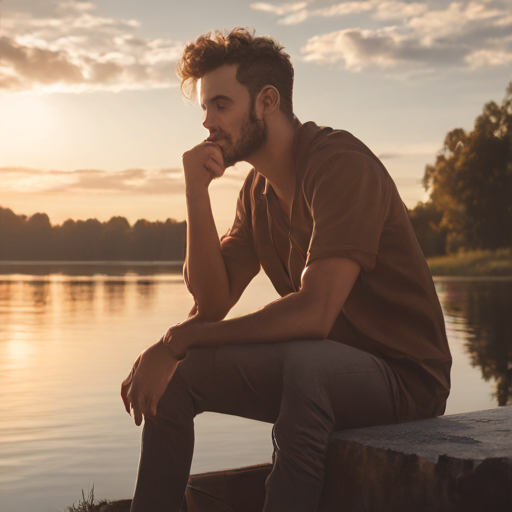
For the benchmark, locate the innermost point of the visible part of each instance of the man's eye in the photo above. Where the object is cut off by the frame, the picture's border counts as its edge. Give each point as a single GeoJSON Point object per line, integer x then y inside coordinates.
{"type": "Point", "coordinates": [220, 107]}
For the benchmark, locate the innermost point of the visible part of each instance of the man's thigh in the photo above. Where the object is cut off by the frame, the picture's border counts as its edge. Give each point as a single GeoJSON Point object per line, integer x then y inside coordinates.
{"type": "Point", "coordinates": [258, 381]}
{"type": "Point", "coordinates": [359, 388]}
{"type": "Point", "coordinates": [240, 380]}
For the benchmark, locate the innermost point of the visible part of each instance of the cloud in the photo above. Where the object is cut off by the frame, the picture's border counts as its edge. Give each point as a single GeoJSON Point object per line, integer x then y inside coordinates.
{"type": "Point", "coordinates": [414, 37]}
{"type": "Point", "coordinates": [293, 14]}
{"type": "Point", "coordinates": [162, 181]}
{"type": "Point", "coordinates": [467, 36]}
{"type": "Point", "coordinates": [279, 10]}
{"type": "Point", "coordinates": [132, 181]}
{"type": "Point", "coordinates": [409, 150]}
{"type": "Point", "coordinates": [74, 50]}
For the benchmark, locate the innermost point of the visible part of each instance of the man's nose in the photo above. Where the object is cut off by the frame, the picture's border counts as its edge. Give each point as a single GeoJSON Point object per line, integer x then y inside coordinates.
{"type": "Point", "coordinates": [208, 121]}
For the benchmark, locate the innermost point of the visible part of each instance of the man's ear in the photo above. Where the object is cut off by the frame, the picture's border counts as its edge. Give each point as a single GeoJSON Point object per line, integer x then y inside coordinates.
{"type": "Point", "coordinates": [268, 100]}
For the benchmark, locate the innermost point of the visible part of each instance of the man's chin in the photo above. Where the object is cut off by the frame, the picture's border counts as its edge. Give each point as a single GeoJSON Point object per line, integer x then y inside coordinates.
{"type": "Point", "coordinates": [229, 161]}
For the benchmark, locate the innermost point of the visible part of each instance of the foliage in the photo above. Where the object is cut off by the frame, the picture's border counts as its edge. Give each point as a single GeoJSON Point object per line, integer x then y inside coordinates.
{"type": "Point", "coordinates": [34, 238]}
{"type": "Point", "coordinates": [425, 219]}
{"type": "Point", "coordinates": [86, 504]}
{"type": "Point", "coordinates": [473, 263]}
{"type": "Point", "coordinates": [471, 181]}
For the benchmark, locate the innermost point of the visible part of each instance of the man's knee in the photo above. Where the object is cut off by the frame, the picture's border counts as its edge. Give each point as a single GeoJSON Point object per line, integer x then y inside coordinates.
{"type": "Point", "coordinates": [177, 404]}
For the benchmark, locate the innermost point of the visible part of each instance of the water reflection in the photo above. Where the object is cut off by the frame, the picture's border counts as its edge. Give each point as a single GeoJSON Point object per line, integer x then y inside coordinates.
{"type": "Point", "coordinates": [69, 335]}
{"type": "Point", "coordinates": [485, 309]}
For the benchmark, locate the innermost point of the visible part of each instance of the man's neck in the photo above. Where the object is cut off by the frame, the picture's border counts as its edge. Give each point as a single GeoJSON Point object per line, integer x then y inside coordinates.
{"type": "Point", "coordinates": [276, 160]}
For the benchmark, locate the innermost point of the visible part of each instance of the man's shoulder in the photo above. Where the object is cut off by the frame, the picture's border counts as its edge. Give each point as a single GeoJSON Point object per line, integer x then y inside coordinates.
{"type": "Point", "coordinates": [323, 150]}
{"type": "Point", "coordinates": [313, 140]}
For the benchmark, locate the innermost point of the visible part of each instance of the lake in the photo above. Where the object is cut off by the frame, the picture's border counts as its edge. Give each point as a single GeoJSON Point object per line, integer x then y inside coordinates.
{"type": "Point", "coordinates": [70, 333]}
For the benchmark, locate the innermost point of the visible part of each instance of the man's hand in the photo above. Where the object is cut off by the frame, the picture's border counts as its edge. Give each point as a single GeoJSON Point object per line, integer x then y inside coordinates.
{"type": "Point", "coordinates": [202, 164]}
{"type": "Point", "coordinates": [147, 381]}
{"type": "Point", "coordinates": [184, 335]}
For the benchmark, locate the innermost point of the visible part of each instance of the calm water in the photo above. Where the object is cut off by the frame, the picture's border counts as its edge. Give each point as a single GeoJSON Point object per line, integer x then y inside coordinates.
{"type": "Point", "coordinates": [69, 335]}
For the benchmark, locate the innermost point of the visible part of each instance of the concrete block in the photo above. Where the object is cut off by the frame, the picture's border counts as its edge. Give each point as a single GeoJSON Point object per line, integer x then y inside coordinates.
{"type": "Point", "coordinates": [454, 463]}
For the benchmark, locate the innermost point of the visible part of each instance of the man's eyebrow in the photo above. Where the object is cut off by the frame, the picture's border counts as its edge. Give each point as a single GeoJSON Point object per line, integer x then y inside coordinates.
{"type": "Point", "coordinates": [217, 98]}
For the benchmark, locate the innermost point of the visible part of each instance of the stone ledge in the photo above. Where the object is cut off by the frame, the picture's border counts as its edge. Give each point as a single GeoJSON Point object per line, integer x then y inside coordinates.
{"type": "Point", "coordinates": [461, 462]}
{"type": "Point", "coordinates": [457, 463]}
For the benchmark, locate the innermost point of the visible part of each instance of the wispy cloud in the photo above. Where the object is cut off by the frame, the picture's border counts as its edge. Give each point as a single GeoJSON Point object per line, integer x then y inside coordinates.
{"type": "Point", "coordinates": [281, 9]}
{"type": "Point", "coordinates": [293, 14]}
{"type": "Point", "coordinates": [129, 181]}
{"type": "Point", "coordinates": [391, 152]}
{"type": "Point", "coordinates": [22, 179]}
{"type": "Point", "coordinates": [423, 36]}
{"type": "Point", "coordinates": [75, 50]}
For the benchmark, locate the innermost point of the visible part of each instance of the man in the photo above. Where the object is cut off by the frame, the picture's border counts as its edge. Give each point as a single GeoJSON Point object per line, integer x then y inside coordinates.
{"type": "Point", "coordinates": [357, 338]}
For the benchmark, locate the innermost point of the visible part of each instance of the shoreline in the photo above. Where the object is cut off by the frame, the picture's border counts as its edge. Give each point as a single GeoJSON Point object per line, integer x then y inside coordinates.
{"type": "Point", "coordinates": [479, 263]}
{"type": "Point", "coordinates": [464, 264]}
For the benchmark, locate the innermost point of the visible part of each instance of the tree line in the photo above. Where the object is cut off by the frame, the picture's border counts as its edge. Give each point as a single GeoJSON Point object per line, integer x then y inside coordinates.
{"type": "Point", "coordinates": [470, 183]}
{"type": "Point", "coordinates": [34, 238]}
{"type": "Point", "coordinates": [469, 207]}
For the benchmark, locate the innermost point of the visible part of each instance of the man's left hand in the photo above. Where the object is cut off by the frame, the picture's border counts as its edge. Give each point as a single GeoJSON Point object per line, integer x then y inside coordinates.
{"type": "Point", "coordinates": [147, 381]}
{"type": "Point", "coordinates": [184, 335]}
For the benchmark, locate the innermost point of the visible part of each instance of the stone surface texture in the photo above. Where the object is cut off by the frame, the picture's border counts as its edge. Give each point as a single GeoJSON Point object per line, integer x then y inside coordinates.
{"type": "Point", "coordinates": [461, 462]}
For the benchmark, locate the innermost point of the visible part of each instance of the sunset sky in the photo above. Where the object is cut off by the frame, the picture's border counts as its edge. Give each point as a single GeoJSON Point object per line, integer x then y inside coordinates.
{"type": "Point", "coordinates": [92, 123]}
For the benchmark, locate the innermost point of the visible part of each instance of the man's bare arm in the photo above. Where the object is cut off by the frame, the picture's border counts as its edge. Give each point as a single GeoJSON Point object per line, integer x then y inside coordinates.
{"type": "Point", "coordinates": [209, 279]}
{"type": "Point", "coordinates": [307, 314]}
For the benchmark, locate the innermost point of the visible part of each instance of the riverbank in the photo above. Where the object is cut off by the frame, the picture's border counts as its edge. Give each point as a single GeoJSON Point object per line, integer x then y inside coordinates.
{"type": "Point", "coordinates": [473, 263]}
{"type": "Point", "coordinates": [458, 463]}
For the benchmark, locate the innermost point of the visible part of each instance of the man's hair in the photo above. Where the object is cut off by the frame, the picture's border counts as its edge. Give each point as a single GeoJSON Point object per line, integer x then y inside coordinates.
{"type": "Point", "coordinates": [261, 61]}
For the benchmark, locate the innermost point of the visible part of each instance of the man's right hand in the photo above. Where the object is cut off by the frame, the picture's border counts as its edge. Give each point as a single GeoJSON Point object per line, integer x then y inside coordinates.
{"type": "Point", "coordinates": [202, 164]}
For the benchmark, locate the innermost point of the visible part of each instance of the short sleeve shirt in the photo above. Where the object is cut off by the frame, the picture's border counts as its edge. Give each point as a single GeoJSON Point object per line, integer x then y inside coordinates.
{"type": "Point", "coordinates": [346, 204]}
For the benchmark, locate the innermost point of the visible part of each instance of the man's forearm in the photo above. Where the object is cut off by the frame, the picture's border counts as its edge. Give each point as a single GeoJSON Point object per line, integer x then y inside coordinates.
{"type": "Point", "coordinates": [308, 314]}
{"type": "Point", "coordinates": [292, 317]}
{"type": "Point", "coordinates": [205, 266]}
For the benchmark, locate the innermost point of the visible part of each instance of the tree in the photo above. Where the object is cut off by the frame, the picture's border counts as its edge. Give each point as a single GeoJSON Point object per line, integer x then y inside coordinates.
{"type": "Point", "coordinates": [471, 181]}
{"type": "Point", "coordinates": [116, 239]}
{"type": "Point", "coordinates": [34, 238]}
{"type": "Point", "coordinates": [425, 219]}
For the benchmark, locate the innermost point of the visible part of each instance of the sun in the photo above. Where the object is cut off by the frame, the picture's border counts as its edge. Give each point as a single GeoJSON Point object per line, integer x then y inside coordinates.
{"type": "Point", "coordinates": [28, 121]}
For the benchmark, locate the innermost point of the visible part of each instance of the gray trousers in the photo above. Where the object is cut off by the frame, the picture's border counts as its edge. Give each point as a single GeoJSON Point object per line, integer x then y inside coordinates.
{"type": "Point", "coordinates": [307, 389]}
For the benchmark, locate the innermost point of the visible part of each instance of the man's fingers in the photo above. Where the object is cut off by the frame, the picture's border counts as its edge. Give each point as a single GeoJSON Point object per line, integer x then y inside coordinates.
{"type": "Point", "coordinates": [125, 400]}
{"type": "Point", "coordinates": [125, 389]}
{"type": "Point", "coordinates": [166, 338]}
{"type": "Point", "coordinates": [150, 406]}
{"type": "Point", "coordinates": [215, 162]}
{"type": "Point", "coordinates": [214, 168]}
{"type": "Point", "coordinates": [137, 414]}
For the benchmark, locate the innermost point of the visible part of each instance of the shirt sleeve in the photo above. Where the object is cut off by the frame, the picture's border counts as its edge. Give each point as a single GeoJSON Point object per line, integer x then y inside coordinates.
{"type": "Point", "coordinates": [349, 195]}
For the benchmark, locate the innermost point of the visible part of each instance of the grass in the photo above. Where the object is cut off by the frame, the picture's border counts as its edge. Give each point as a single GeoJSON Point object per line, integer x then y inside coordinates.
{"type": "Point", "coordinates": [473, 263]}
{"type": "Point", "coordinates": [86, 504]}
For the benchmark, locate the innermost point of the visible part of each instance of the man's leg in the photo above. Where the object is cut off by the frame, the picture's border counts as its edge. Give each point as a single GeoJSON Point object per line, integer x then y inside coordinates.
{"type": "Point", "coordinates": [327, 386]}
{"type": "Point", "coordinates": [310, 387]}
{"type": "Point", "coordinates": [241, 380]}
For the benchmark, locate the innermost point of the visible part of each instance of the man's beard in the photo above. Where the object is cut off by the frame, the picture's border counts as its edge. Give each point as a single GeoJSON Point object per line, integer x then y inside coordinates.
{"type": "Point", "coordinates": [252, 138]}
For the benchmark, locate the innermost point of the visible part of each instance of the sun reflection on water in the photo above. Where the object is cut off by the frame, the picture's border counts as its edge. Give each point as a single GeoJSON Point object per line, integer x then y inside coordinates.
{"type": "Point", "coordinates": [67, 341]}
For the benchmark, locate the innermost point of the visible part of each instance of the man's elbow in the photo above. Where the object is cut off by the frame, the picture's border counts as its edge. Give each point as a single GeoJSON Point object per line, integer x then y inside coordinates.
{"type": "Point", "coordinates": [212, 312]}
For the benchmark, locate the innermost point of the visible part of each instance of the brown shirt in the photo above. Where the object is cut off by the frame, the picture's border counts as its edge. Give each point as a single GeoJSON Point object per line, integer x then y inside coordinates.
{"type": "Point", "coordinates": [346, 204]}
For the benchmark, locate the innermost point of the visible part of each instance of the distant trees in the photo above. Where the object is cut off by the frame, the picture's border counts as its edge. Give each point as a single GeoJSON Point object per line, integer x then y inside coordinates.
{"type": "Point", "coordinates": [470, 204]}
{"type": "Point", "coordinates": [34, 238]}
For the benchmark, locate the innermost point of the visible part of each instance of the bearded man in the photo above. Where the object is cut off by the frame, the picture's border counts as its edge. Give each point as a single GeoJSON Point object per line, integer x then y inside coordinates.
{"type": "Point", "coordinates": [357, 337]}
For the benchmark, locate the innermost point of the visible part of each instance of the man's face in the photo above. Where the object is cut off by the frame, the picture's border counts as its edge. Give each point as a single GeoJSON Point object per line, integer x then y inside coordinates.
{"type": "Point", "coordinates": [229, 116]}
